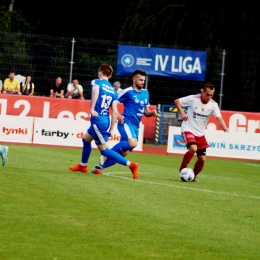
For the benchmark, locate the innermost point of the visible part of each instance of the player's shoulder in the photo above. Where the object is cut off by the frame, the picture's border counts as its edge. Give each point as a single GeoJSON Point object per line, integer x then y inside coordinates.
{"type": "Point", "coordinates": [196, 96]}
{"type": "Point", "coordinates": [212, 101]}
{"type": "Point", "coordinates": [95, 81]}
{"type": "Point", "coordinates": [125, 91]}
{"type": "Point", "coordinates": [144, 90]}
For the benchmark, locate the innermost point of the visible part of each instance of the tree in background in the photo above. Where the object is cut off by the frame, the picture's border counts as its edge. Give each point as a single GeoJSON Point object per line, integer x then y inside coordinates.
{"type": "Point", "coordinates": [12, 20]}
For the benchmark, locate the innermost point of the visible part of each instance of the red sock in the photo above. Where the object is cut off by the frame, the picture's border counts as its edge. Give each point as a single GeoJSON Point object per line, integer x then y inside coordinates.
{"type": "Point", "coordinates": [186, 160]}
{"type": "Point", "coordinates": [198, 167]}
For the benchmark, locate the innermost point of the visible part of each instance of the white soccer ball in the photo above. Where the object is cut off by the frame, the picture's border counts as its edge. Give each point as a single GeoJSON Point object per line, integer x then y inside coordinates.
{"type": "Point", "coordinates": [187, 174]}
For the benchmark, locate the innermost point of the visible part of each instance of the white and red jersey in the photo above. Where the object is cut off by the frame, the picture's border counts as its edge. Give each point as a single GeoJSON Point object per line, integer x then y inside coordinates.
{"type": "Point", "coordinates": [198, 114]}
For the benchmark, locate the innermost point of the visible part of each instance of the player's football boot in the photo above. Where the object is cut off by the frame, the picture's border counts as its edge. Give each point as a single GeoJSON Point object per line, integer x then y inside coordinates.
{"type": "Point", "coordinates": [134, 169]}
{"type": "Point", "coordinates": [195, 180]}
{"type": "Point", "coordinates": [97, 169]}
{"type": "Point", "coordinates": [78, 168]}
{"type": "Point", "coordinates": [3, 154]}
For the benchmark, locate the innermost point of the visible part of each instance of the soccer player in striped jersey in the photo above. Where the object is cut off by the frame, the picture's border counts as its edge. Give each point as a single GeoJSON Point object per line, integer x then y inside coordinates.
{"type": "Point", "coordinates": [199, 109]}
{"type": "Point", "coordinates": [136, 104]}
{"type": "Point", "coordinates": [103, 96]}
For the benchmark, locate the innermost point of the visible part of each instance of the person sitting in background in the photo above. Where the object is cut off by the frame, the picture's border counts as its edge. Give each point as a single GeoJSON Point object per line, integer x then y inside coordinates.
{"type": "Point", "coordinates": [11, 85]}
{"type": "Point", "coordinates": [28, 86]}
{"type": "Point", "coordinates": [75, 90]}
{"type": "Point", "coordinates": [117, 86]}
{"type": "Point", "coordinates": [57, 89]}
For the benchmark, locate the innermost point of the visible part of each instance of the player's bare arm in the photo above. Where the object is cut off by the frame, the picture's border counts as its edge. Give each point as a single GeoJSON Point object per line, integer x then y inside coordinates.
{"type": "Point", "coordinates": [94, 97]}
{"type": "Point", "coordinates": [222, 124]}
{"type": "Point", "coordinates": [115, 115]}
{"type": "Point", "coordinates": [179, 107]}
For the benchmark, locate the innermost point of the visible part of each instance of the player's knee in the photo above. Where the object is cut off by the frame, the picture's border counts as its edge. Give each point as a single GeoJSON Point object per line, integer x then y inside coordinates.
{"type": "Point", "coordinates": [193, 149]}
{"type": "Point", "coordinates": [201, 158]}
{"type": "Point", "coordinates": [132, 143]}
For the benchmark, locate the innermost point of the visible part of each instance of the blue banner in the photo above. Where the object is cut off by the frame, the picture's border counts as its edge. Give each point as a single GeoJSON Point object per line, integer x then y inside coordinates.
{"type": "Point", "coordinates": [178, 64]}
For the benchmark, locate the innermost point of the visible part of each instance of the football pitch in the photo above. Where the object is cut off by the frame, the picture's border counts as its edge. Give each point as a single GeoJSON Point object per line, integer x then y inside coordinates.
{"type": "Point", "coordinates": [49, 212]}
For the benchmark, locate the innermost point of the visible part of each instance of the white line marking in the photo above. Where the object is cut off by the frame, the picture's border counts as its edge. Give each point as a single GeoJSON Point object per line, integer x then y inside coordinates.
{"type": "Point", "coordinates": [250, 164]}
{"type": "Point", "coordinates": [111, 174]}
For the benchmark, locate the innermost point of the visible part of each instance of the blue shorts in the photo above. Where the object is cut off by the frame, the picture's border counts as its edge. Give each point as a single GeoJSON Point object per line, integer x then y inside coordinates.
{"type": "Point", "coordinates": [99, 129]}
{"type": "Point", "coordinates": [127, 131]}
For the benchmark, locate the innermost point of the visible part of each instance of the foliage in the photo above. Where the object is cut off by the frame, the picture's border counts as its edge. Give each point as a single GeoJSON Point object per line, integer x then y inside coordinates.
{"type": "Point", "coordinates": [13, 21]}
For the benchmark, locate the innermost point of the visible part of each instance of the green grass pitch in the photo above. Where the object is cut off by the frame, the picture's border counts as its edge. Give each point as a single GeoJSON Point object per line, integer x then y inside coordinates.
{"type": "Point", "coordinates": [49, 212]}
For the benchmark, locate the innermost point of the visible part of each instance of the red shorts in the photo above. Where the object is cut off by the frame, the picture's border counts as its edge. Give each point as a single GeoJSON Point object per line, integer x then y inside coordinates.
{"type": "Point", "coordinates": [200, 141]}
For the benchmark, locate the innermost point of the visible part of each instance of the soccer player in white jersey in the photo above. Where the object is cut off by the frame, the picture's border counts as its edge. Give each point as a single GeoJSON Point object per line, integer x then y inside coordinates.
{"type": "Point", "coordinates": [136, 104]}
{"type": "Point", "coordinates": [103, 96]}
{"type": "Point", "coordinates": [199, 109]}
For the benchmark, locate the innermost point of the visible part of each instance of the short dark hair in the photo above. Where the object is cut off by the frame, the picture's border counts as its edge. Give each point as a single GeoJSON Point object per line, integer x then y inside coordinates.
{"type": "Point", "coordinates": [140, 72]}
{"type": "Point", "coordinates": [209, 85]}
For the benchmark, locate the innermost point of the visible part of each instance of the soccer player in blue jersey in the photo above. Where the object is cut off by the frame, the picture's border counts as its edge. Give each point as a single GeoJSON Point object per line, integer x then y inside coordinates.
{"type": "Point", "coordinates": [103, 96]}
{"type": "Point", "coordinates": [136, 104]}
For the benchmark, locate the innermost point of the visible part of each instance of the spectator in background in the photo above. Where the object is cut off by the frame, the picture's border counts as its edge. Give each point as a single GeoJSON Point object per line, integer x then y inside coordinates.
{"type": "Point", "coordinates": [1, 85]}
{"type": "Point", "coordinates": [28, 86]}
{"type": "Point", "coordinates": [11, 85]}
{"type": "Point", "coordinates": [117, 86]}
{"type": "Point", "coordinates": [57, 88]}
{"type": "Point", "coordinates": [74, 90]}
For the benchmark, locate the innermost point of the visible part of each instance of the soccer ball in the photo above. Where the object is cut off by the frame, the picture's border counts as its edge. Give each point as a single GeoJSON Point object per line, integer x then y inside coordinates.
{"type": "Point", "coordinates": [187, 174]}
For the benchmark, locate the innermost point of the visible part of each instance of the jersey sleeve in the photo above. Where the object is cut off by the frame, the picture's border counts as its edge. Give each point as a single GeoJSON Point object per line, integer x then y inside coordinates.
{"type": "Point", "coordinates": [216, 111]}
{"type": "Point", "coordinates": [122, 97]}
{"type": "Point", "coordinates": [186, 101]}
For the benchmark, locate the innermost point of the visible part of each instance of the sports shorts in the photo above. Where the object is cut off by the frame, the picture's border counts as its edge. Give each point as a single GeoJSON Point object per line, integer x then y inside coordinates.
{"type": "Point", "coordinates": [200, 141]}
{"type": "Point", "coordinates": [127, 131]}
{"type": "Point", "coordinates": [99, 129]}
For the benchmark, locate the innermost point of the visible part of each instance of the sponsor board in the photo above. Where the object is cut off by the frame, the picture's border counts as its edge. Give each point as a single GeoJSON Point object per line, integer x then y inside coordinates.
{"type": "Point", "coordinates": [239, 145]}
{"type": "Point", "coordinates": [50, 131]}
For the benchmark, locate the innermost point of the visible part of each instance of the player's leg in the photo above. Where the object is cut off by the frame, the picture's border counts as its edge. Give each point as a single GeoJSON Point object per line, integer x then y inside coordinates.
{"type": "Point", "coordinates": [102, 144]}
{"type": "Point", "coordinates": [201, 155]}
{"type": "Point", "coordinates": [191, 145]}
{"type": "Point", "coordinates": [118, 158]}
{"type": "Point", "coordinates": [199, 164]}
{"type": "Point", "coordinates": [3, 154]}
{"type": "Point", "coordinates": [85, 154]}
{"type": "Point", "coordinates": [129, 136]}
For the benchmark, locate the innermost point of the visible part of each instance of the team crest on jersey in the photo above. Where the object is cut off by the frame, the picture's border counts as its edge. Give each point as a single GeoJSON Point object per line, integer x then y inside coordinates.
{"type": "Point", "coordinates": [136, 99]}
{"type": "Point", "coordinates": [142, 103]}
{"type": "Point", "coordinates": [203, 109]}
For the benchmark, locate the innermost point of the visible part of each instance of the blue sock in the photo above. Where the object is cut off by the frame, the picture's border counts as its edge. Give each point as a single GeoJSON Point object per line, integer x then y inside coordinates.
{"type": "Point", "coordinates": [86, 151]}
{"type": "Point", "coordinates": [122, 146]}
{"type": "Point", "coordinates": [114, 156]}
{"type": "Point", "coordinates": [119, 148]}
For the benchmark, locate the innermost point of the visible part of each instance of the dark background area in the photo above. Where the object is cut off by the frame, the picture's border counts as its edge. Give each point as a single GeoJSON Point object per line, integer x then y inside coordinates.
{"type": "Point", "coordinates": [47, 27]}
